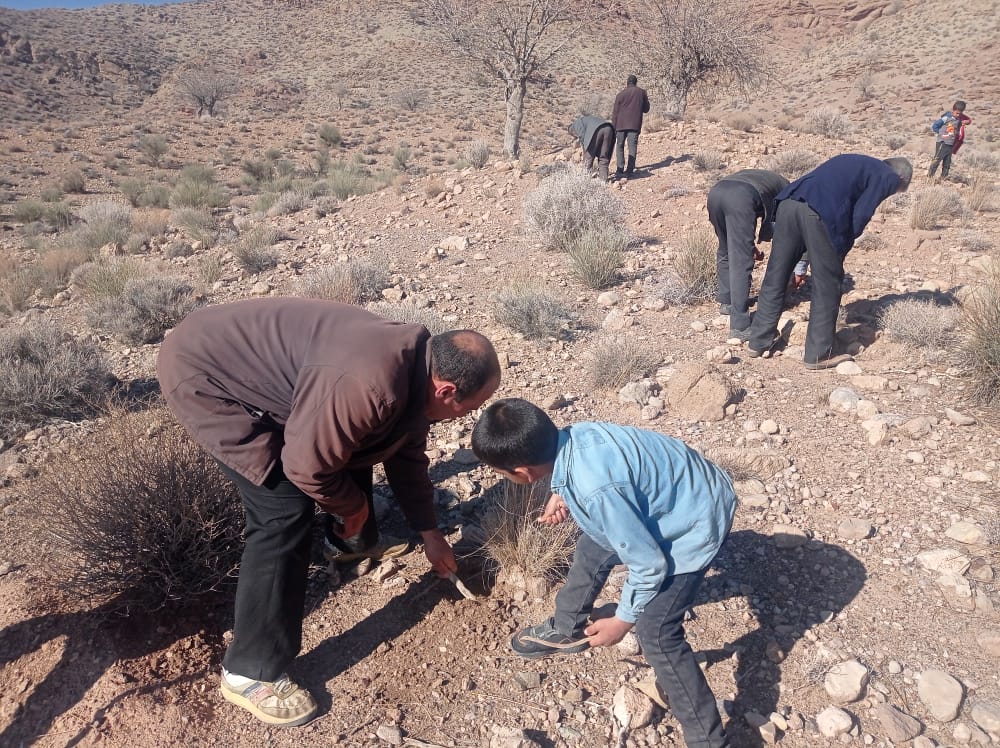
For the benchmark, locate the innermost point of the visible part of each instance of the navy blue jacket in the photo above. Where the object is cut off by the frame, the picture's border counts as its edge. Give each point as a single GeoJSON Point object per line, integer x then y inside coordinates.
{"type": "Point", "coordinates": [844, 192]}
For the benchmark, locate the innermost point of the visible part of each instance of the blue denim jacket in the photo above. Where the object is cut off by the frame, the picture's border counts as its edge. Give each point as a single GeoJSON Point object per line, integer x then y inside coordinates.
{"type": "Point", "coordinates": [655, 502]}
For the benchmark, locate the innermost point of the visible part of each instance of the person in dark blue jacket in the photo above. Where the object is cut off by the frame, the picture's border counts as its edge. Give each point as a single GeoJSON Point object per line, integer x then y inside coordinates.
{"type": "Point", "coordinates": [820, 215]}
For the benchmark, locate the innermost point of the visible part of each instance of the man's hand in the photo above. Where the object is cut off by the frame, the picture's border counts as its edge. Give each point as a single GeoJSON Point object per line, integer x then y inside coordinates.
{"type": "Point", "coordinates": [439, 553]}
{"type": "Point", "coordinates": [758, 255]}
{"type": "Point", "coordinates": [607, 631]}
{"type": "Point", "coordinates": [797, 281]}
{"type": "Point", "coordinates": [351, 524]}
{"type": "Point", "coordinates": [555, 511]}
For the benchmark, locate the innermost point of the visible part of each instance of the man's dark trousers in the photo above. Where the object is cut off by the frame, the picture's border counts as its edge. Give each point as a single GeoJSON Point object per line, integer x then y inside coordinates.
{"type": "Point", "coordinates": [797, 230]}
{"type": "Point", "coordinates": [660, 630]}
{"type": "Point", "coordinates": [633, 144]}
{"type": "Point", "coordinates": [271, 590]}
{"type": "Point", "coordinates": [733, 208]}
{"type": "Point", "coordinates": [600, 148]}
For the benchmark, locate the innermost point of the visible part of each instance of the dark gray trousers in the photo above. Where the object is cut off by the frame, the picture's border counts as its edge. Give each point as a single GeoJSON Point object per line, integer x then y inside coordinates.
{"type": "Point", "coordinates": [660, 630]}
{"type": "Point", "coordinates": [797, 230]}
{"type": "Point", "coordinates": [733, 208]}
{"type": "Point", "coordinates": [600, 148]}
{"type": "Point", "coordinates": [271, 589]}
{"type": "Point", "coordinates": [633, 143]}
{"type": "Point", "coordinates": [942, 155]}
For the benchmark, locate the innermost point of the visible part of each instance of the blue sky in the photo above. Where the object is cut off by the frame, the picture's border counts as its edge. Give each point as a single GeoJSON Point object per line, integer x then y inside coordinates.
{"type": "Point", "coordinates": [29, 4]}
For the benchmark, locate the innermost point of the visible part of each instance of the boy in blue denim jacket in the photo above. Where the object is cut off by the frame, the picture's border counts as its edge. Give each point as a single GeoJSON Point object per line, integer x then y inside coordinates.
{"type": "Point", "coordinates": [950, 131]}
{"type": "Point", "coordinates": [643, 499]}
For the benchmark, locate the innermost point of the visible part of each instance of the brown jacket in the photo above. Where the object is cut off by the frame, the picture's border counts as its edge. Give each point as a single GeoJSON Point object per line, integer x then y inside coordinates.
{"type": "Point", "coordinates": [630, 104]}
{"type": "Point", "coordinates": [319, 386]}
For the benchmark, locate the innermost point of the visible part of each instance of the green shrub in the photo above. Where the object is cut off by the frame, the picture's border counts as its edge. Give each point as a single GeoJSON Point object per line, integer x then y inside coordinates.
{"type": "Point", "coordinates": [597, 255]}
{"type": "Point", "coordinates": [401, 158]}
{"type": "Point", "coordinates": [329, 135]}
{"type": "Point", "coordinates": [351, 282]}
{"type": "Point", "coordinates": [102, 224]}
{"type": "Point", "coordinates": [256, 172]}
{"type": "Point", "coordinates": [196, 188]}
{"type": "Point", "coordinates": [45, 373]}
{"type": "Point", "coordinates": [152, 149]}
{"type": "Point", "coordinates": [51, 194]}
{"type": "Point", "coordinates": [567, 204]}
{"type": "Point", "coordinates": [531, 312]}
{"type": "Point", "coordinates": [73, 182]}
{"type": "Point", "coordinates": [107, 277]}
{"type": "Point", "coordinates": [139, 514]}
{"type": "Point", "coordinates": [146, 308]}
{"type": "Point", "coordinates": [198, 225]}
{"type": "Point", "coordinates": [253, 249]}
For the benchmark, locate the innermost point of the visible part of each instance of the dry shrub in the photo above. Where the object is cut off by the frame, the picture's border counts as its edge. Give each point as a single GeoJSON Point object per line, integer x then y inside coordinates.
{"type": "Point", "coordinates": [932, 206]}
{"type": "Point", "coordinates": [410, 313]}
{"type": "Point", "coordinates": [981, 346]}
{"type": "Point", "coordinates": [829, 122]}
{"type": "Point", "coordinates": [477, 153]}
{"type": "Point", "coordinates": [742, 121]}
{"type": "Point", "coordinates": [290, 201]}
{"type": "Point", "coordinates": [56, 265]}
{"type": "Point", "coordinates": [253, 250]}
{"type": "Point", "coordinates": [981, 196]}
{"type": "Point", "coordinates": [152, 149]}
{"type": "Point", "coordinates": [197, 224]}
{"type": "Point", "coordinates": [351, 282]}
{"type": "Point", "coordinates": [980, 161]}
{"type": "Point", "coordinates": [894, 140]}
{"type": "Point", "coordinates": [103, 223]}
{"type": "Point", "coordinates": [519, 548]}
{"type": "Point", "coordinates": [975, 241]}
{"type": "Point", "coordinates": [329, 135]}
{"type": "Point", "coordinates": [45, 373]}
{"type": "Point", "coordinates": [568, 203]}
{"type": "Point", "coordinates": [921, 323]}
{"type": "Point", "coordinates": [693, 277]}
{"type": "Point", "coordinates": [73, 182]}
{"type": "Point", "coordinates": [146, 308]}
{"type": "Point", "coordinates": [210, 268]}
{"type": "Point", "coordinates": [793, 164]}
{"type": "Point", "coordinates": [139, 514]}
{"type": "Point", "coordinates": [530, 312]}
{"type": "Point", "coordinates": [617, 359]}
{"type": "Point", "coordinates": [196, 188]}
{"type": "Point", "coordinates": [708, 161]}
{"type": "Point", "coordinates": [18, 282]}
{"type": "Point", "coordinates": [743, 464]}
{"type": "Point", "coordinates": [597, 255]}
{"type": "Point", "coordinates": [106, 277]}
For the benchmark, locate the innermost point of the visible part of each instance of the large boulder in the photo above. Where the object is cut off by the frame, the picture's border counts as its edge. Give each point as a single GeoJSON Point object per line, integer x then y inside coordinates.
{"type": "Point", "coordinates": [699, 392]}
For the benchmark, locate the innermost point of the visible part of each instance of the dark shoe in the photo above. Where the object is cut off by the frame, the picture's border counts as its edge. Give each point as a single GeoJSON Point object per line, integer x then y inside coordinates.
{"type": "Point", "coordinates": [543, 640]}
{"type": "Point", "coordinates": [828, 363]}
{"type": "Point", "coordinates": [630, 167]}
{"type": "Point", "coordinates": [754, 353]}
{"type": "Point", "coordinates": [387, 546]}
{"type": "Point", "coordinates": [725, 309]}
{"type": "Point", "coordinates": [741, 335]}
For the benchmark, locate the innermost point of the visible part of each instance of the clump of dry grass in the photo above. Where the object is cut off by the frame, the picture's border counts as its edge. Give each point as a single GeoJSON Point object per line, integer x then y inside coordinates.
{"type": "Point", "coordinates": [140, 515]}
{"type": "Point", "coordinates": [146, 308]}
{"type": "Point", "coordinates": [932, 206]}
{"type": "Point", "coordinates": [410, 313]}
{"type": "Point", "coordinates": [982, 196]}
{"type": "Point", "coordinates": [567, 204]}
{"type": "Point", "coordinates": [477, 153]}
{"type": "Point", "coordinates": [254, 250]}
{"type": "Point", "coordinates": [617, 359]}
{"type": "Point", "coordinates": [692, 278]}
{"type": "Point", "coordinates": [793, 164]}
{"type": "Point", "coordinates": [921, 323]}
{"type": "Point", "coordinates": [351, 282]}
{"type": "Point", "coordinates": [516, 545]}
{"type": "Point", "coordinates": [18, 282]}
{"type": "Point", "coordinates": [708, 161]}
{"type": "Point", "coordinates": [530, 311]}
{"type": "Point", "coordinates": [597, 255]}
{"type": "Point", "coordinates": [829, 122]}
{"type": "Point", "coordinates": [981, 346]}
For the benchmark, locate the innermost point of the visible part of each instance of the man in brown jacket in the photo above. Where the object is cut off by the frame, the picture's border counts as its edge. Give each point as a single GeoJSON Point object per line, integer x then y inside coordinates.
{"type": "Point", "coordinates": [297, 399]}
{"type": "Point", "coordinates": [626, 116]}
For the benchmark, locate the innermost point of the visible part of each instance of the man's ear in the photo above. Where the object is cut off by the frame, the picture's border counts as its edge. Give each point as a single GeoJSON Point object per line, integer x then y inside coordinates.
{"type": "Point", "coordinates": [444, 391]}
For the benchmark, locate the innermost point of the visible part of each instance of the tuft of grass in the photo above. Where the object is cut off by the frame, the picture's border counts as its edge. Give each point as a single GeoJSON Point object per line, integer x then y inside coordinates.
{"type": "Point", "coordinates": [106, 278]}
{"type": "Point", "coordinates": [289, 201]}
{"type": "Point", "coordinates": [616, 360]}
{"type": "Point", "coordinates": [254, 250]}
{"type": "Point", "coordinates": [196, 188]}
{"type": "Point", "coordinates": [329, 135]}
{"type": "Point", "coordinates": [921, 323]}
{"type": "Point", "coordinates": [152, 149]}
{"type": "Point", "coordinates": [980, 161]}
{"type": "Point", "coordinates": [55, 267]}
{"type": "Point", "coordinates": [18, 282]}
{"type": "Point", "coordinates": [530, 312]}
{"type": "Point", "coordinates": [793, 164]}
{"type": "Point", "coordinates": [981, 197]}
{"type": "Point", "coordinates": [46, 373]}
{"type": "Point", "coordinates": [73, 182]}
{"type": "Point", "coordinates": [410, 313]}
{"type": "Point", "coordinates": [143, 194]}
{"type": "Point", "coordinates": [981, 345]}
{"type": "Point", "coordinates": [351, 282]}
{"type": "Point", "coordinates": [477, 153]}
{"type": "Point", "coordinates": [693, 277]}
{"type": "Point", "coordinates": [105, 223]}
{"type": "Point", "coordinates": [829, 122]}
{"type": "Point", "coordinates": [146, 308]}
{"type": "Point", "coordinates": [932, 206]}
{"type": "Point", "coordinates": [516, 545]}
{"type": "Point", "coordinates": [139, 514]}
{"type": "Point", "coordinates": [708, 161]}
{"type": "Point", "coordinates": [210, 268]}
{"type": "Point", "coordinates": [742, 121]}
{"type": "Point", "coordinates": [598, 254]}
{"type": "Point", "coordinates": [567, 204]}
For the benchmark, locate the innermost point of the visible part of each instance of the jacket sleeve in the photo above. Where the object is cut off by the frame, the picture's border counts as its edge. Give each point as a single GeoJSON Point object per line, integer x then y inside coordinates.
{"type": "Point", "coordinates": [878, 188]}
{"type": "Point", "coordinates": [937, 124]}
{"type": "Point", "coordinates": [406, 472]}
{"type": "Point", "coordinates": [615, 110]}
{"type": "Point", "coordinates": [330, 415]}
{"type": "Point", "coordinates": [615, 511]}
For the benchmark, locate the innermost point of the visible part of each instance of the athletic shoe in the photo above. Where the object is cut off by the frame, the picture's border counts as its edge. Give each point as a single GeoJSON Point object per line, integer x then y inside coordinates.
{"type": "Point", "coordinates": [543, 640]}
{"type": "Point", "coordinates": [828, 363]}
{"type": "Point", "coordinates": [281, 703]}
{"type": "Point", "coordinates": [387, 546]}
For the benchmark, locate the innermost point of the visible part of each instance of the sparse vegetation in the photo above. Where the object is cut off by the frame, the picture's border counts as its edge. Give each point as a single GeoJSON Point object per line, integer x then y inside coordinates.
{"type": "Point", "coordinates": [692, 278]}
{"type": "Point", "coordinates": [106, 278]}
{"type": "Point", "coordinates": [197, 188]}
{"type": "Point", "coordinates": [568, 203]}
{"type": "Point", "coordinates": [329, 135]}
{"type": "Point", "coordinates": [143, 194]}
{"type": "Point", "coordinates": [617, 359]}
{"type": "Point", "coordinates": [921, 323]}
{"type": "Point", "coordinates": [45, 373]}
{"type": "Point", "coordinates": [73, 182]}
{"type": "Point", "coordinates": [406, 311]}
{"type": "Point", "coordinates": [981, 346]}
{"type": "Point", "coordinates": [598, 254]}
{"type": "Point", "coordinates": [139, 514]}
{"type": "Point", "coordinates": [197, 225]}
{"type": "Point", "coordinates": [477, 153]}
{"type": "Point", "coordinates": [793, 164]}
{"type": "Point", "coordinates": [932, 206]}
{"type": "Point", "coordinates": [254, 250]}
{"type": "Point", "coordinates": [351, 282]}
{"type": "Point", "coordinates": [105, 223]}
{"type": "Point", "coordinates": [146, 308]}
{"type": "Point", "coordinates": [708, 161]}
{"type": "Point", "coordinates": [530, 312]}
{"type": "Point", "coordinates": [153, 148]}
{"type": "Point", "coordinates": [206, 88]}
{"type": "Point", "coordinates": [981, 197]}
{"type": "Point", "coordinates": [829, 122]}
{"type": "Point", "coordinates": [17, 284]}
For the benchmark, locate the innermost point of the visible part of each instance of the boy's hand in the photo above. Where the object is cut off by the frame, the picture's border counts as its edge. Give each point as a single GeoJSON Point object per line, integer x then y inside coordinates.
{"type": "Point", "coordinates": [555, 511]}
{"type": "Point", "coordinates": [607, 631]}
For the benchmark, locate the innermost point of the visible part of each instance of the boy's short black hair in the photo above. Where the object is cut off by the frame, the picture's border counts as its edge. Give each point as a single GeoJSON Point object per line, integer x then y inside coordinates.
{"type": "Point", "coordinates": [513, 433]}
{"type": "Point", "coordinates": [959, 106]}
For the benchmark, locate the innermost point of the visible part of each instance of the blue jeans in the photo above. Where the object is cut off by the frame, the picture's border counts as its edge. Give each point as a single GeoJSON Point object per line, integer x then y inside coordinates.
{"type": "Point", "coordinates": [660, 630]}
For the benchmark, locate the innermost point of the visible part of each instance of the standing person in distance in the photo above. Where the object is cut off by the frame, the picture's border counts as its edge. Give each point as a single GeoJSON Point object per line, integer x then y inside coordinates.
{"type": "Point", "coordinates": [950, 131]}
{"type": "Point", "coordinates": [626, 116]}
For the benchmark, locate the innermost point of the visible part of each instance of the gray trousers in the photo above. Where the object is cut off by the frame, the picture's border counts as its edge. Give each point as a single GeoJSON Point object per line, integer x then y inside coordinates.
{"type": "Point", "coordinates": [633, 143]}
{"type": "Point", "coordinates": [660, 630]}
{"type": "Point", "coordinates": [733, 208]}
{"type": "Point", "coordinates": [942, 155]}
{"type": "Point", "coordinates": [600, 148]}
{"type": "Point", "coordinates": [797, 230]}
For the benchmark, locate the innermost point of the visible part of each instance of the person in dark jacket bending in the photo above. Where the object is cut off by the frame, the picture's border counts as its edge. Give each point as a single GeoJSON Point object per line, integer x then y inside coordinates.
{"type": "Point", "coordinates": [821, 215]}
{"type": "Point", "coordinates": [597, 138]}
{"type": "Point", "coordinates": [297, 399]}
{"type": "Point", "coordinates": [626, 116]}
{"type": "Point", "coordinates": [734, 205]}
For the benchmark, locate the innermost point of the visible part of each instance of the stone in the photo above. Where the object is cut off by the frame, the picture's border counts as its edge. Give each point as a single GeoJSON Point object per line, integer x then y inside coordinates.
{"type": "Point", "coordinates": [789, 536]}
{"type": "Point", "coordinates": [528, 680]}
{"type": "Point", "coordinates": [870, 382]}
{"type": "Point", "coordinates": [260, 288]}
{"type": "Point", "coordinates": [866, 410]}
{"type": "Point", "coordinates": [393, 294]}
{"type": "Point", "coordinates": [768, 733]}
{"type": "Point", "coordinates": [945, 560]}
{"type": "Point", "coordinates": [720, 355]}
{"type": "Point", "coordinates": [390, 733]}
{"type": "Point", "coordinates": [608, 299]}
{"type": "Point", "coordinates": [897, 726]}
{"type": "Point", "coordinates": [959, 419]}
{"type": "Point", "coordinates": [981, 570]}
{"type": "Point", "coordinates": [989, 641]}
{"type": "Point", "coordinates": [465, 457]}
{"type": "Point", "coordinates": [454, 243]}
{"type": "Point", "coordinates": [940, 693]}
{"type": "Point", "coordinates": [977, 476]}
{"type": "Point", "coordinates": [918, 427]}
{"type": "Point", "coordinates": [853, 528]}
{"type": "Point", "coordinates": [844, 399]}
{"type": "Point", "coordinates": [845, 682]}
{"type": "Point", "coordinates": [848, 368]}
{"type": "Point", "coordinates": [699, 393]}
{"type": "Point", "coordinates": [632, 708]}
{"type": "Point", "coordinates": [965, 532]}
{"type": "Point", "coordinates": [833, 722]}
{"type": "Point", "coordinates": [755, 719]}
{"type": "Point", "coordinates": [769, 427]}
{"type": "Point", "coordinates": [510, 737]}
{"type": "Point", "coordinates": [635, 392]}
{"type": "Point", "coordinates": [986, 714]}
{"type": "Point", "coordinates": [922, 741]}
{"type": "Point", "coordinates": [629, 645]}
{"type": "Point", "coordinates": [878, 433]}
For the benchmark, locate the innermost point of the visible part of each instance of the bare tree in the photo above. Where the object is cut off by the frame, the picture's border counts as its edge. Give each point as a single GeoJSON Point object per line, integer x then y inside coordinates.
{"type": "Point", "coordinates": [205, 88]}
{"type": "Point", "coordinates": [512, 39]}
{"type": "Point", "coordinates": [679, 45]}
